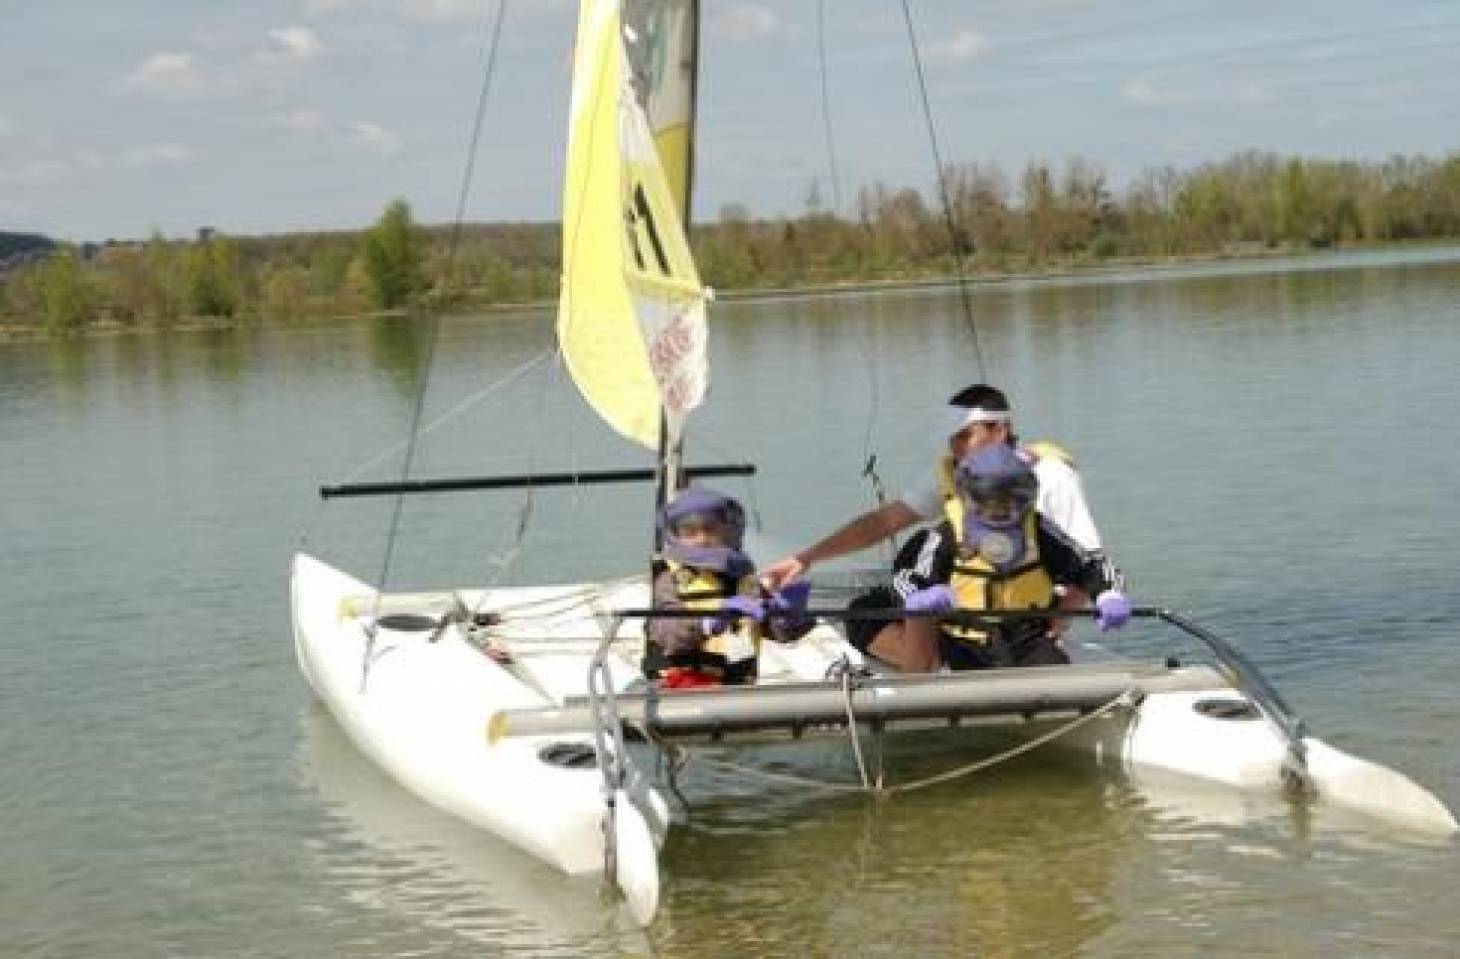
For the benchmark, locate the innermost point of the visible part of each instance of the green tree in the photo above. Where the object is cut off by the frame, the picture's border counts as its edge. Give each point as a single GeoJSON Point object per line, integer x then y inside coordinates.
{"type": "Point", "coordinates": [285, 293]}
{"type": "Point", "coordinates": [68, 295]}
{"type": "Point", "coordinates": [393, 257]}
{"type": "Point", "coordinates": [1294, 202]}
{"type": "Point", "coordinates": [213, 279]}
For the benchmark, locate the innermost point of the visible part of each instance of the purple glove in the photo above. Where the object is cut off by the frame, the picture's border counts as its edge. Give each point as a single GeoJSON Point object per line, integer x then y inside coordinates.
{"type": "Point", "coordinates": [787, 605]}
{"type": "Point", "coordinates": [1112, 610]}
{"type": "Point", "coordinates": [934, 599]}
{"type": "Point", "coordinates": [791, 599]}
{"type": "Point", "coordinates": [733, 609]}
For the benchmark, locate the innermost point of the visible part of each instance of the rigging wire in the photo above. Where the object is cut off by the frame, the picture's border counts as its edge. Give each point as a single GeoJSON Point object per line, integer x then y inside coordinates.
{"type": "Point", "coordinates": [836, 181]}
{"type": "Point", "coordinates": [489, 53]}
{"type": "Point", "coordinates": [511, 377]}
{"type": "Point", "coordinates": [954, 235]}
{"type": "Point", "coordinates": [869, 362]}
{"type": "Point", "coordinates": [433, 334]}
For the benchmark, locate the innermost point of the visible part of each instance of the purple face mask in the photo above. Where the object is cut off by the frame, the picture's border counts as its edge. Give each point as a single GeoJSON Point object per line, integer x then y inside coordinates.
{"type": "Point", "coordinates": [997, 489]}
{"type": "Point", "coordinates": [721, 559]}
{"type": "Point", "coordinates": [1002, 546]}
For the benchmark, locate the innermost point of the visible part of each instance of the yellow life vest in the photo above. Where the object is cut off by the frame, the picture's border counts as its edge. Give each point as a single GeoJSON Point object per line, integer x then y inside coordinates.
{"type": "Point", "coordinates": [706, 590]}
{"type": "Point", "coordinates": [1044, 449]}
{"type": "Point", "coordinates": [978, 584]}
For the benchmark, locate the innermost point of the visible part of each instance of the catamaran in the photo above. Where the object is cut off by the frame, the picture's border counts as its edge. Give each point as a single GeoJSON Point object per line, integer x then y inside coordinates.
{"type": "Point", "coordinates": [523, 710]}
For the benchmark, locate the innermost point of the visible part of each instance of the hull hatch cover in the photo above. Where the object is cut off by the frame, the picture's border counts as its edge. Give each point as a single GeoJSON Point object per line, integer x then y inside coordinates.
{"type": "Point", "coordinates": [1225, 708]}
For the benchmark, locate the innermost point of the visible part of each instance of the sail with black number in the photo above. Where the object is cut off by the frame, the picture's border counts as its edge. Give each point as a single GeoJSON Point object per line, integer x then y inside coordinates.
{"type": "Point", "coordinates": [631, 315]}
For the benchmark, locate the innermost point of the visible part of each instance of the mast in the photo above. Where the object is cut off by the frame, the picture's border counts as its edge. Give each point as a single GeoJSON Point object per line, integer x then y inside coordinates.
{"type": "Point", "coordinates": [665, 64]}
{"type": "Point", "coordinates": [671, 460]}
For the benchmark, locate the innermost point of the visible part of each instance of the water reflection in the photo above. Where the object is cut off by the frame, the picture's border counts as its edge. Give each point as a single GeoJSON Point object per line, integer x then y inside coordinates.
{"type": "Point", "coordinates": [392, 853]}
{"type": "Point", "coordinates": [398, 346]}
{"type": "Point", "coordinates": [1017, 863]}
{"type": "Point", "coordinates": [225, 353]}
{"type": "Point", "coordinates": [71, 360]}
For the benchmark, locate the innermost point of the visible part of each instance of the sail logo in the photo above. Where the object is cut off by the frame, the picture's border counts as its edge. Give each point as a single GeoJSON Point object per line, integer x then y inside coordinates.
{"type": "Point", "coordinates": [673, 356]}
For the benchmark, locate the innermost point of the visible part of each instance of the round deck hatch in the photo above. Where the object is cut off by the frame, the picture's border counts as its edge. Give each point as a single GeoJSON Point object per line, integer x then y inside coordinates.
{"type": "Point", "coordinates": [408, 622]}
{"type": "Point", "coordinates": [1227, 709]}
{"type": "Point", "coordinates": [569, 755]}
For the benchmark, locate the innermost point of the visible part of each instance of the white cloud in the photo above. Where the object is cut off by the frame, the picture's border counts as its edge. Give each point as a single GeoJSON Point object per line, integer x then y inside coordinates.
{"type": "Point", "coordinates": [1386, 93]}
{"type": "Point", "coordinates": [165, 73]}
{"type": "Point", "coordinates": [157, 154]}
{"type": "Point", "coordinates": [46, 170]}
{"type": "Point", "coordinates": [299, 121]}
{"type": "Point", "coordinates": [7, 126]}
{"type": "Point", "coordinates": [1329, 51]}
{"type": "Point", "coordinates": [296, 44]}
{"type": "Point", "coordinates": [375, 137]}
{"type": "Point", "coordinates": [1142, 92]}
{"type": "Point", "coordinates": [963, 46]}
{"type": "Point", "coordinates": [57, 167]}
{"type": "Point", "coordinates": [1214, 91]}
{"type": "Point", "coordinates": [1251, 91]}
{"type": "Point", "coordinates": [748, 21]}
{"type": "Point", "coordinates": [442, 11]}
{"type": "Point", "coordinates": [316, 8]}
{"type": "Point", "coordinates": [434, 11]}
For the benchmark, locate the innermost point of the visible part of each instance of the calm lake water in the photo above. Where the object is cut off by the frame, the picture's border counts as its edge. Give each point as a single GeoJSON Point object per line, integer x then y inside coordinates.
{"type": "Point", "coordinates": [1271, 448]}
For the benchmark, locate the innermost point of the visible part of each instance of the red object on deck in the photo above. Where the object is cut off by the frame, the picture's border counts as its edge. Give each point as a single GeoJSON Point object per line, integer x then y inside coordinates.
{"type": "Point", "coordinates": [679, 677]}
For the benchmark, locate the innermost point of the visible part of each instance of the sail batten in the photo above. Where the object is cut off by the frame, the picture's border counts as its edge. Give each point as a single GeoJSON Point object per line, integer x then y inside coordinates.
{"type": "Point", "coordinates": [631, 315]}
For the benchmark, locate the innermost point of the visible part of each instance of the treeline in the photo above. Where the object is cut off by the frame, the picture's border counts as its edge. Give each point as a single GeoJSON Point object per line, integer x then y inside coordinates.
{"type": "Point", "coordinates": [162, 283]}
{"type": "Point", "coordinates": [1045, 218]}
{"type": "Point", "coordinates": [1069, 217]}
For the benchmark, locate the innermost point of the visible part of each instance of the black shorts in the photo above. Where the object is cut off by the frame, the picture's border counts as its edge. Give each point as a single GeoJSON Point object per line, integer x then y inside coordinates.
{"type": "Point", "coordinates": [1027, 645]}
{"type": "Point", "coordinates": [861, 632]}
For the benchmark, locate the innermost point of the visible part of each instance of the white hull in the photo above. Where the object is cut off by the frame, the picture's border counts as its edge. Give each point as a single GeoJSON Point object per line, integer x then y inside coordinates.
{"type": "Point", "coordinates": [422, 712]}
{"type": "Point", "coordinates": [425, 708]}
{"type": "Point", "coordinates": [1170, 736]}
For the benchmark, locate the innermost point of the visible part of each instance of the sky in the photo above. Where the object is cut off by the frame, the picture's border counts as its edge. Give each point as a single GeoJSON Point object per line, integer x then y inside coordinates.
{"type": "Point", "coordinates": [120, 119]}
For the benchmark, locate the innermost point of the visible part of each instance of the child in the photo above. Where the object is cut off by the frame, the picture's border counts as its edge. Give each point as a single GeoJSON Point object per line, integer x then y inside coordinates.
{"type": "Point", "coordinates": [704, 568]}
{"type": "Point", "coordinates": [991, 552]}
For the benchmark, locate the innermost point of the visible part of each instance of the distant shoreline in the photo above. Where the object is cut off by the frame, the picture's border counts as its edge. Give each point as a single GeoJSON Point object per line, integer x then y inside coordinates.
{"type": "Point", "coordinates": [22, 333]}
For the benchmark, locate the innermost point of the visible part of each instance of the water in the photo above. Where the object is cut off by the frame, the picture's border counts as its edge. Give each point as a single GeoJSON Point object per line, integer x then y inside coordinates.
{"type": "Point", "coordinates": [1269, 448]}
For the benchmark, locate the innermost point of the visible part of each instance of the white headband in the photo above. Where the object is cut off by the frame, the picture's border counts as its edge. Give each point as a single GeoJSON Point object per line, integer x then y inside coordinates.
{"type": "Point", "coordinates": [955, 418]}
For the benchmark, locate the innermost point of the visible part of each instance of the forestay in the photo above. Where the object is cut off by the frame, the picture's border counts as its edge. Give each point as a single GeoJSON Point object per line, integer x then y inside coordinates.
{"type": "Point", "coordinates": [631, 317]}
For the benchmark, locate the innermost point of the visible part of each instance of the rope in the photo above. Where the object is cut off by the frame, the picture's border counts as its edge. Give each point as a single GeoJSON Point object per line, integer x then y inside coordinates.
{"type": "Point", "coordinates": [424, 379]}
{"type": "Point", "coordinates": [490, 54]}
{"type": "Point", "coordinates": [874, 393]}
{"type": "Point", "coordinates": [792, 778]}
{"type": "Point", "coordinates": [1126, 698]}
{"type": "Point", "coordinates": [398, 507]}
{"type": "Point", "coordinates": [852, 733]}
{"type": "Point", "coordinates": [836, 182]}
{"type": "Point", "coordinates": [954, 235]}
{"type": "Point", "coordinates": [511, 377]}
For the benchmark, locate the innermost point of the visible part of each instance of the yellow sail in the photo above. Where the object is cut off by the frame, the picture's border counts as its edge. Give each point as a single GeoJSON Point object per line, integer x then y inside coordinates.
{"type": "Point", "coordinates": [631, 313]}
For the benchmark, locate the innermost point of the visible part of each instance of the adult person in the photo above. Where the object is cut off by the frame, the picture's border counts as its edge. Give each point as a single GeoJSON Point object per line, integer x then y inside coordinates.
{"type": "Point", "coordinates": [977, 417]}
